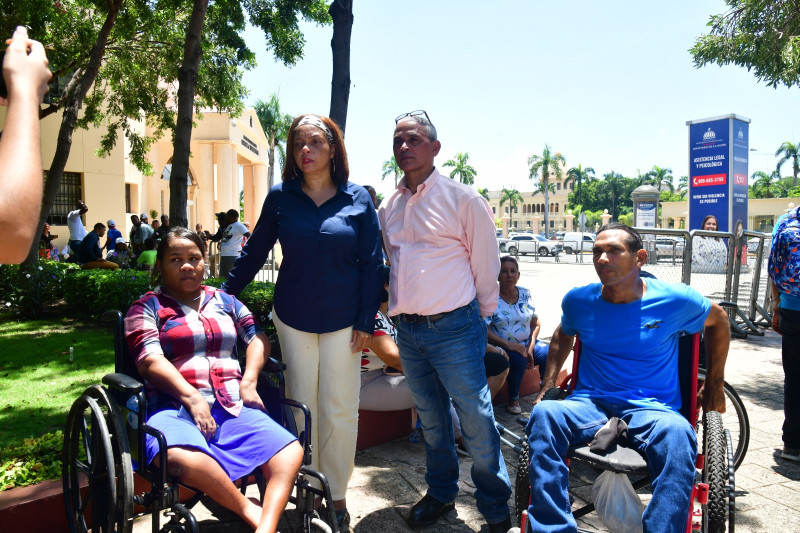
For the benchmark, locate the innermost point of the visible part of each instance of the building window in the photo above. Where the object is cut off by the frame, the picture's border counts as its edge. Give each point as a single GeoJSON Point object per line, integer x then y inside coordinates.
{"type": "Point", "coordinates": [494, 210]}
{"type": "Point", "coordinates": [558, 186]}
{"type": "Point", "coordinates": [251, 121]}
{"type": "Point", "coordinates": [556, 208]}
{"type": "Point", "coordinates": [506, 209]}
{"type": "Point", "coordinates": [131, 198]}
{"type": "Point", "coordinates": [516, 210]}
{"type": "Point", "coordinates": [69, 192]}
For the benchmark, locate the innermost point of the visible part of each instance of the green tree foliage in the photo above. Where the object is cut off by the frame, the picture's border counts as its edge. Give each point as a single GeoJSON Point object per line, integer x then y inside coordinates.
{"type": "Point", "coordinates": [768, 185]}
{"type": "Point", "coordinates": [542, 168]}
{"type": "Point", "coordinates": [276, 127]}
{"type": "Point", "coordinates": [790, 151]}
{"type": "Point", "coordinates": [579, 175]}
{"type": "Point", "coordinates": [390, 167]}
{"type": "Point", "coordinates": [660, 177]}
{"type": "Point", "coordinates": [513, 197]}
{"type": "Point", "coordinates": [761, 35]}
{"type": "Point", "coordinates": [462, 169]}
{"type": "Point", "coordinates": [484, 192]}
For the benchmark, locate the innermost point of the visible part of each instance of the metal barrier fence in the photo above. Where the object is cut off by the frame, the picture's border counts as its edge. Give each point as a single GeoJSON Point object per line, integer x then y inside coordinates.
{"type": "Point", "coordinates": [267, 272]}
{"type": "Point", "coordinates": [718, 265]}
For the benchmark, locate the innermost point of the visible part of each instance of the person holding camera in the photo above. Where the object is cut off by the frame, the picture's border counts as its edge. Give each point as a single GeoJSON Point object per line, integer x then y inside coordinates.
{"type": "Point", "coordinates": [25, 77]}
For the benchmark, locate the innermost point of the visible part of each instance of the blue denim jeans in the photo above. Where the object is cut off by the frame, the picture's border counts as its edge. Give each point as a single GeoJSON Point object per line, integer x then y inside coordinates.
{"type": "Point", "coordinates": [665, 437]}
{"type": "Point", "coordinates": [517, 364]}
{"type": "Point", "coordinates": [443, 360]}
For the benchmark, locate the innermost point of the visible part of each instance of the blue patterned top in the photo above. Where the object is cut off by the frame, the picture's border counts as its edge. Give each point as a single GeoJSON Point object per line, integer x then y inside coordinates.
{"type": "Point", "coordinates": [512, 322]}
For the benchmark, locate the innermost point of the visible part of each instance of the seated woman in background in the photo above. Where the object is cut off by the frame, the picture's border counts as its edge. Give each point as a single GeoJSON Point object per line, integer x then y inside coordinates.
{"type": "Point", "coordinates": [147, 259]}
{"type": "Point", "coordinates": [119, 254]}
{"type": "Point", "coordinates": [213, 419]}
{"type": "Point", "coordinates": [514, 327]}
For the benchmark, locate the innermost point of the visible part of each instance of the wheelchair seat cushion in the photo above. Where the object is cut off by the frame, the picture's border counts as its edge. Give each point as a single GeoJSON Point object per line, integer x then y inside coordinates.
{"type": "Point", "coordinates": [244, 443]}
{"type": "Point", "coordinates": [622, 459]}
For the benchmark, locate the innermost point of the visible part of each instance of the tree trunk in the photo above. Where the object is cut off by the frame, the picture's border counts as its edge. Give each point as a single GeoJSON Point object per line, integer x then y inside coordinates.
{"type": "Point", "coordinates": [271, 159]}
{"type": "Point", "coordinates": [68, 119]}
{"type": "Point", "coordinates": [341, 11]}
{"type": "Point", "coordinates": [187, 81]}
{"type": "Point", "coordinates": [546, 207]}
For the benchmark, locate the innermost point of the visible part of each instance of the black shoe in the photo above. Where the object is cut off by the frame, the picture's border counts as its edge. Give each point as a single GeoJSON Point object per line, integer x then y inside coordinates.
{"type": "Point", "coordinates": [427, 511]}
{"type": "Point", "coordinates": [501, 527]}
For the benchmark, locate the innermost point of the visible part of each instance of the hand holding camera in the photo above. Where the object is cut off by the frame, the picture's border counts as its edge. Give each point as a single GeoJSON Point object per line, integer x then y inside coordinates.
{"type": "Point", "coordinates": [25, 68]}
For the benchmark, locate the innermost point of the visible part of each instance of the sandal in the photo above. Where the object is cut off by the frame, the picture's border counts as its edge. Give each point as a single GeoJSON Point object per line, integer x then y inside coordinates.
{"type": "Point", "coordinates": [514, 409]}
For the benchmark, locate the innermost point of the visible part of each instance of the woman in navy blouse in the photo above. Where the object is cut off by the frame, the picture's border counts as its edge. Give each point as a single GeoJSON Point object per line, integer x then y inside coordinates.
{"type": "Point", "coordinates": [328, 288]}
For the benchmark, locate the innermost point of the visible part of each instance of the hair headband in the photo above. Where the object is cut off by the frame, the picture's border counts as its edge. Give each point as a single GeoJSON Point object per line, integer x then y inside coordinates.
{"type": "Point", "coordinates": [314, 120]}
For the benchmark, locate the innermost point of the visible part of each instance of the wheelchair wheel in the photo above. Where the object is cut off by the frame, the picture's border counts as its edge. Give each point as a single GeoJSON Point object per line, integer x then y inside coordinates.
{"type": "Point", "coordinates": [734, 419]}
{"type": "Point", "coordinates": [522, 483]}
{"type": "Point", "coordinates": [715, 473]}
{"type": "Point", "coordinates": [122, 456]}
{"type": "Point", "coordinates": [88, 454]}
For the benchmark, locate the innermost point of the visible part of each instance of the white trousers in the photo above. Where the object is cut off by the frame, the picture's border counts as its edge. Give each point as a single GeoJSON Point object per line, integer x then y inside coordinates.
{"type": "Point", "coordinates": [323, 373]}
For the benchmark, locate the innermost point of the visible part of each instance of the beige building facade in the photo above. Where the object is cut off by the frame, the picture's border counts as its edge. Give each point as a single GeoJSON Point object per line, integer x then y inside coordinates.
{"type": "Point", "coordinates": [762, 213]}
{"type": "Point", "coordinates": [528, 215]}
{"type": "Point", "coordinates": [228, 156]}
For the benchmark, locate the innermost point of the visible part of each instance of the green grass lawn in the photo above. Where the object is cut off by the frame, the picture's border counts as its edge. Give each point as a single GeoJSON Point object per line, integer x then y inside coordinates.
{"type": "Point", "coordinates": [38, 383]}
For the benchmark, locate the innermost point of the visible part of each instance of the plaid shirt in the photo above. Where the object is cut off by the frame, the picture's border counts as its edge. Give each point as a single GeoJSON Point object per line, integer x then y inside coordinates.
{"type": "Point", "coordinates": [202, 346]}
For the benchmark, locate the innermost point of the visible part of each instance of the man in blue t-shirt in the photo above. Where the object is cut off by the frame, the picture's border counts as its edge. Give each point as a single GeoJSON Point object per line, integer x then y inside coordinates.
{"type": "Point", "coordinates": [629, 329]}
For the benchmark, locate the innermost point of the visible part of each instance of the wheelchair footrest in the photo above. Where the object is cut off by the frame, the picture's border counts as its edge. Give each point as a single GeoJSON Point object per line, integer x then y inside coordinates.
{"type": "Point", "coordinates": [623, 460]}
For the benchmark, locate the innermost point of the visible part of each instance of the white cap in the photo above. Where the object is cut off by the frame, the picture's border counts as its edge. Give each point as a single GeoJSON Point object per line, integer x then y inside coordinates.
{"type": "Point", "coordinates": [120, 240]}
{"type": "Point", "coordinates": [111, 222]}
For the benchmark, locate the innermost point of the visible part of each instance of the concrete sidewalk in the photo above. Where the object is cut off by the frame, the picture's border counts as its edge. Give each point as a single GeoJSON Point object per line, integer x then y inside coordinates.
{"type": "Point", "coordinates": [389, 478]}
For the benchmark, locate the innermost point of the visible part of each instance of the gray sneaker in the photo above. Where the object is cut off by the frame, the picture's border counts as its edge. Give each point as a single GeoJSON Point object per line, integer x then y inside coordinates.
{"type": "Point", "coordinates": [792, 454]}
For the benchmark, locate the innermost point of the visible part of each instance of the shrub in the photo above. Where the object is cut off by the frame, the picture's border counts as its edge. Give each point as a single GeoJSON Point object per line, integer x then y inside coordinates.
{"type": "Point", "coordinates": [257, 296]}
{"type": "Point", "coordinates": [31, 462]}
{"type": "Point", "coordinates": [41, 283]}
{"type": "Point", "coordinates": [93, 292]}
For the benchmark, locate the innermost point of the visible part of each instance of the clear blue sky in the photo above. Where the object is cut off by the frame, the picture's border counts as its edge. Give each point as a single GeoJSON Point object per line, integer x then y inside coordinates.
{"type": "Point", "coordinates": [608, 84]}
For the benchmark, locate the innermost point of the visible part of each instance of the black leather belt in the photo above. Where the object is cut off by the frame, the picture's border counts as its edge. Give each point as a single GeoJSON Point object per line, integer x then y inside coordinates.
{"type": "Point", "coordinates": [421, 318]}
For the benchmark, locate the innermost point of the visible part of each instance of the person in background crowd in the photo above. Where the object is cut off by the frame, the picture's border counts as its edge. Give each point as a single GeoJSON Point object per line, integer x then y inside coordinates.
{"type": "Point", "coordinates": [46, 243]}
{"type": "Point", "coordinates": [156, 225]}
{"type": "Point", "coordinates": [147, 259]}
{"type": "Point", "coordinates": [163, 228]}
{"type": "Point", "coordinates": [90, 255]}
{"type": "Point", "coordinates": [440, 238]}
{"type": "Point", "coordinates": [514, 326]}
{"type": "Point", "coordinates": [222, 223]}
{"type": "Point", "coordinates": [26, 75]}
{"type": "Point", "coordinates": [784, 273]}
{"type": "Point", "coordinates": [182, 337]}
{"type": "Point", "coordinates": [75, 225]}
{"type": "Point", "coordinates": [111, 236]}
{"type": "Point", "coordinates": [140, 232]}
{"type": "Point", "coordinates": [230, 246]}
{"type": "Point", "coordinates": [328, 288]}
{"type": "Point", "coordinates": [245, 237]}
{"type": "Point", "coordinates": [119, 254]}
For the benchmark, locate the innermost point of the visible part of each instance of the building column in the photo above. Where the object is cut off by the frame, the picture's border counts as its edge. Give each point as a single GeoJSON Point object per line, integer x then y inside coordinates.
{"type": "Point", "coordinates": [260, 188]}
{"type": "Point", "coordinates": [222, 159]}
{"type": "Point", "coordinates": [205, 185]}
{"type": "Point", "coordinates": [235, 190]}
{"type": "Point", "coordinates": [247, 187]}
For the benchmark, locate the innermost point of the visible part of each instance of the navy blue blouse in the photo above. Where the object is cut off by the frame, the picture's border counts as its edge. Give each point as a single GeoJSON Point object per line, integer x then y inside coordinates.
{"type": "Point", "coordinates": [330, 277]}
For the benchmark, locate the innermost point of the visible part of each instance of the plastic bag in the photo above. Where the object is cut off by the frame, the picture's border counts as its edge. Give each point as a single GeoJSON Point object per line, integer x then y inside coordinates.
{"type": "Point", "coordinates": [617, 504]}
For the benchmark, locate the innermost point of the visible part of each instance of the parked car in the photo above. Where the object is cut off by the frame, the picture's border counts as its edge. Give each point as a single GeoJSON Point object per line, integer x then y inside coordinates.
{"type": "Point", "coordinates": [528, 243]}
{"type": "Point", "coordinates": [669, 245]}
{"type": "Point", "coordinates": [577, 241]}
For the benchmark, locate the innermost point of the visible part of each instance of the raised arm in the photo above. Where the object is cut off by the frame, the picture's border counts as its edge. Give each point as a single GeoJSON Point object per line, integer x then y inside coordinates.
{"type": "Point", "coordinates": [718, 340]}
{"type": "Point", "coordinates": [560, 347]}
{"type": "Point", "coordinates": [26, 74]}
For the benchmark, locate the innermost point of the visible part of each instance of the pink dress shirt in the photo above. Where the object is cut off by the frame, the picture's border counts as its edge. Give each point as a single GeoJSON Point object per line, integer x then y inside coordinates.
{"type": "Point", "coordinates": [442, 244]}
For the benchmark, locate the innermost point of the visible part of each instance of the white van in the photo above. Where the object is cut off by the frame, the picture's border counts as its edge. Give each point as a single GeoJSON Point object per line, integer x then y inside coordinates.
{"type": "Point", "coordinates": [575, 240]}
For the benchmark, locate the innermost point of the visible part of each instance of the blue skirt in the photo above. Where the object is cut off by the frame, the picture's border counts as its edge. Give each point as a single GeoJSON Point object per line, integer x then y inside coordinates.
{"type": "Point", "coordinates": [244, 442]}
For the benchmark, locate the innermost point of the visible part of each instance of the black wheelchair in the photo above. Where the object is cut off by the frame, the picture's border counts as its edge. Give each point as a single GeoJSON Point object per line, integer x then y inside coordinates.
{"type": "Point", "coordinates": [104, 446]}
{"type": "Point", "coordinates": [713, 493]}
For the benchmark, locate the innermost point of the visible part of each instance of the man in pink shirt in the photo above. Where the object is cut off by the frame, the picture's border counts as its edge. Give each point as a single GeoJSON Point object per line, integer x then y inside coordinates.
{"type": "Point", "coordinates": [440, 239]}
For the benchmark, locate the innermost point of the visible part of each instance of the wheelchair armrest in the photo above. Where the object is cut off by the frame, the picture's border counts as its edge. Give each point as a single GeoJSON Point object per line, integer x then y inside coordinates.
{"type": "Point", "coordinates": [273, 365]}
{"type": "Point", "coordinates": [305, 435]}
{"type": "Point", "coordinates": [123, 383]}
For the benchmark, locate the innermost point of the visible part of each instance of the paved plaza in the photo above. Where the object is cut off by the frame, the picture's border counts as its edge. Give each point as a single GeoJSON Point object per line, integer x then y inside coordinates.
{"type": "Point", "coordinates": [389, 478]}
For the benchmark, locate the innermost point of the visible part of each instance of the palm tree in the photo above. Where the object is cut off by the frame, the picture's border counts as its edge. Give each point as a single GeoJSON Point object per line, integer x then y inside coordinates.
{"type": "Point", "coordinates": [546, 165]}
{"type": "Point", "coordinates": [613, 183]}
{"type": "Point", "coordinates": [789, 151]}
{"type": "Point", "coordinates": [683, 186]}
{"type": "Point", "coordinates": [579, 175]}
{"type": "Point", "coordinates": [768, 185]}
{"type": "Point", "coordinates": [512, 196]}
{"type": "Point", "coordinates": [276, 128]}
{"type": "Point", "coordinates": [391, 167]}
{"type": "Point", "coordinates": [465, 172]}
{"type": "Point", "coordinates": [484, 192]}
{"type": "Point", "coordinates": [661, 176]}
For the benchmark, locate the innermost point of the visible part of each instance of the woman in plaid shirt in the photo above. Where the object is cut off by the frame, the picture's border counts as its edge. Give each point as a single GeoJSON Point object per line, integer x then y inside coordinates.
{"type": "Point", "coordinates": [182, 337]}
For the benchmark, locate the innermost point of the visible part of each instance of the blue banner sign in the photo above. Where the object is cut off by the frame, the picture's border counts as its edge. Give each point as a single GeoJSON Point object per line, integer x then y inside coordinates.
{"type": "Point", "coordinates": [718, 151]}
